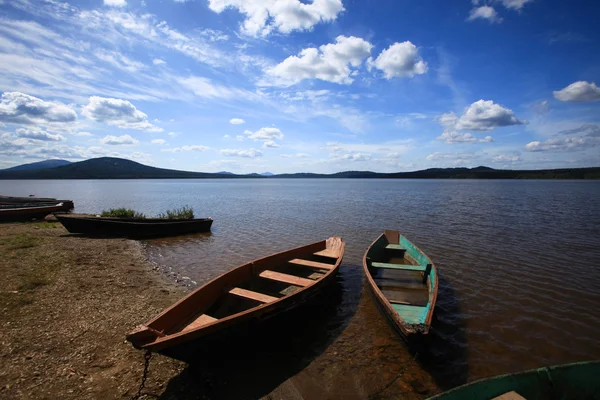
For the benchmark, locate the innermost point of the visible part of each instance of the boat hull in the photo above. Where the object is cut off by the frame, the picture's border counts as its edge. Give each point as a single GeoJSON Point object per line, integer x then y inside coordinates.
{"type": "Point", "coordinates": [28, 213]}
{"type": "Point", "coordinates": [134, 228]}
{"type": "Point", "coordinates": [569, 381]}
{"type": "Point", "coordinates": [168, 333]}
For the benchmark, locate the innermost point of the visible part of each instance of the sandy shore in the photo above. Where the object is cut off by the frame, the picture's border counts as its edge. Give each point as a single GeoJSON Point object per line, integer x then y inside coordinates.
{"type": "Point", "coordinates": [66, 304]}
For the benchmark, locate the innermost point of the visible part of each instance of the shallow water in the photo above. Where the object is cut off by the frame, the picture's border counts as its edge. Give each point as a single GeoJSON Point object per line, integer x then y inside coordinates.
{"type": "Point", "coordinates": [519, 266]}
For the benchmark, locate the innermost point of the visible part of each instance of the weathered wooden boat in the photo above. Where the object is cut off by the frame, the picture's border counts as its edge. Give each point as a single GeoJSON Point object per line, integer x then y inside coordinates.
{"type": "Point", "coordinates": [33, 201]}
{"type": "Point", "coordinates": [133, 227]}
{"type": "Point", "coordinates": [403, 281]}
{"type": "Point", "coordinates": [28, 213]}
{"type": "Point", "coordinates": [246, 295]}
{"type": "Point", "coordinates": [561, 382]}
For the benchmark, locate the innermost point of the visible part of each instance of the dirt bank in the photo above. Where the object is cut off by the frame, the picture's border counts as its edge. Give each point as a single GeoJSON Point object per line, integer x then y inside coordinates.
{"type": "Point", "coordinates": [66, 303]}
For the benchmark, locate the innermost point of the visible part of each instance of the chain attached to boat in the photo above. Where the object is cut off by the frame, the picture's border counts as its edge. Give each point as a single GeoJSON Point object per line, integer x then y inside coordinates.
{"type": "Point", "coordinates": [402, 371]}
{"type": "Point", "coordinates": [147, 357]}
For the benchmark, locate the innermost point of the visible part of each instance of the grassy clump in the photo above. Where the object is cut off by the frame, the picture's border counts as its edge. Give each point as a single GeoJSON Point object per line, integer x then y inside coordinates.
{"type": "Point", "coordinates": [178, 213]}
{"type": "Point", "coordinates": [20, 241]}
{"type": "Point", "coordinates": [122, 213]}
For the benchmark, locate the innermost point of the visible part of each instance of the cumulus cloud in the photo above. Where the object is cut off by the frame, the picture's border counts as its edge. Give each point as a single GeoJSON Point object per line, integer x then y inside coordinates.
{"type": "Point", "coordinates": [264, 17]}
{"type": "Point", "coordinates": [589, 137]}
{"type": "Point", "coordinates": [485, 115]}
{"type": "Point", "coordinates": [579, 92]}
{"type": "Point", "coordinates": [400, 60]}
{"type": "Point", "coordinates": [38, 134]}
{"type": "Point", "coordinates": [265, 134]}
{"type": "Point", "coordinates": [186, 148]}
{"type": "Point", "coordinates": [246, 153]}
{"type": "Point", "coordinates": [587, 130]}
{"type": "Point", "coordinates": [356, 157]}
{"type": "Point", "coordinates": [236, 121]}
{"type": "Point", "coordinates": [504, 158]}
{"type": "Point", "coordinates": [158, 61]}
{"type": "Point", "coordinates": [452, 137]}
{"type": "Point", "coordinates": [21, 108]}
{"type": "Point", "coordinates": [119, 113]}
{"type": "Point", "coordinates": [515, 4]}
{"type": "Point", "coordinates": [270, 144]}
{"type": "Point", "coordinates": [119, 140]}
{"type": "Point", "coordinates": [484, 12]}
{"type": "Point", "coordinates": [115, 3]}
{"type": "Point", "coordinates": [331, 62]}
{"type": "Point", "coordinates": [158, 141]}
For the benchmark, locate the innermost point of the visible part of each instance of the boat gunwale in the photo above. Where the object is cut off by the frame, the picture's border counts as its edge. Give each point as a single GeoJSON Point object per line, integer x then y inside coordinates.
{"type": "Point", "coordinates": [162, 342]}
{"type": "Point", "coordinates": [134, 221]}
{"type": "Point", "coordinates": [385, 303]}
{"type": "Point", "coordinates": [58, 206]}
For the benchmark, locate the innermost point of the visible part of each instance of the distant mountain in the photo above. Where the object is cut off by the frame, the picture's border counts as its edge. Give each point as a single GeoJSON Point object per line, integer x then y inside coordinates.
{"type": "Point", "coordinates": [267, 174]}
{"type": "Point", "coordinates": [118, 168]}
{"type": "Point", "coordinates": [39, 165]}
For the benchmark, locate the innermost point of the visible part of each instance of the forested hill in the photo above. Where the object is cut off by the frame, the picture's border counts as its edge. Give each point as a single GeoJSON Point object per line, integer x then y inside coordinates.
{"type": "Point", "coordinates": [118, 168]}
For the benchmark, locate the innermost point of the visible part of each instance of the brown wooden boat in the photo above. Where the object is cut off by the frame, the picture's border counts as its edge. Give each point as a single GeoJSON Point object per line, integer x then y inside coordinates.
{"type": "Point", "coordinates": [403, 281]}
{"type": "Point", "coordinates": [250, 293]}
{"type": "Point", "coordinates": [36, 201]}
{"type": "Point", "coordinates": [27, 213]}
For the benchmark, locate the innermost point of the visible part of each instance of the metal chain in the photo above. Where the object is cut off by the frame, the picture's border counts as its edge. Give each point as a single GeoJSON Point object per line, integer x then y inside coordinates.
{"type": "Point", "coordinates": [402, 371]}
{"type": "Point", "coordinates": [147, 357]}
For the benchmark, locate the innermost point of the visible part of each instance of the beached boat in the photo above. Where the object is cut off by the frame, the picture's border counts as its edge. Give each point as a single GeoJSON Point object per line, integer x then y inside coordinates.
{"type": "Point", "coordinates": [569, 381]}
{"type": "Point", "coordinates": [36, 201]}
{"type": "Point", "coordinates": [245, 295]}
{"type": "Point", "coordinates": [10, 213]}
{"type": "Point", "coordinates": [403, 281]}
{"type": "Point", "coordinates": [133, 227]}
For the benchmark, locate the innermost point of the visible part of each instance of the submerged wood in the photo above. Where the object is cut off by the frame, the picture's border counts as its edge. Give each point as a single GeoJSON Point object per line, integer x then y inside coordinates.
{"type": "Point", "coordinates": [133, 227]}
{"type": "Point", "coordinates": [403, 281]}
{"type": "Point", "coordinates": [29, 212]}
{"type": "Point", "coordinates": [249, 293]}
{"type": "Point", "coordinates": [569, 381]}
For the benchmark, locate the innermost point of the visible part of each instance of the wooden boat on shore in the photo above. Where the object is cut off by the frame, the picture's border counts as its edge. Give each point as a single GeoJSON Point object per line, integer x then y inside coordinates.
{"type": "Point", "coordinates": [20, 213]}
{"type": "Point", "coordinates": [403, 281]}
{"type": "Point", "coordinates": [569, 381]}
{"type": "Point", "coordinates": [249, 293]}
{"type": "Point", "coordinates": [33, 201]}
{"type": "Point", "coordinates": [133, 227]}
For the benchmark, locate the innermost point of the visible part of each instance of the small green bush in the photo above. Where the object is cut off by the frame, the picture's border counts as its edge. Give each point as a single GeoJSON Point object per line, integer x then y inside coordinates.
{"type": "Point", "coordinates": [178, 213]}
{"type": "Point", "coordinates": [122, 213]}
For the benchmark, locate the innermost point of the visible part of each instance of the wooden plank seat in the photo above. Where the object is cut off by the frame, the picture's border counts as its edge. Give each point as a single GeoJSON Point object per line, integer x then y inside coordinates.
{"type": "Point", "coordinates": [405, 267]}
{"type": "Point", "coordinates": [249, 294]}
{"type": "Point", "coordinates": [202, 319]}
{"type": "Point", "coordinates": [312, 264]}
{"type": "Point", "coordinates": [327, 253]}
{"type": "Point", "coordinates": [285, 278]}
{"type": "Point", "coordinates": [395, 247]}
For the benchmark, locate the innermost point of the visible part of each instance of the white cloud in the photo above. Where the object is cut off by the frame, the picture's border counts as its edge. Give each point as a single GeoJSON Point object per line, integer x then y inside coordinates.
{"type": "Point", "coordinates": [236, 121]}
{"type": "Point", "coordinates": [484, 12]}
{"type": "Point", "coordinates": [560, 144]}
{"type": "Point", "coordinates": [514, 4]}
{"type": "Point", "coordinates": [173, 134]}
{"type": "Point", "coordinates": [119, 60]}
{"type": "Point", "coordinates": [270, 144]}
{"type": "Point", "coordinates": [579, 92]}
{"type": "Point", "coordinates": [249, 153]}
{"type": "Point", "coordinates": [38, 134]}
{"type": "Point", "coordinates": [452, 137]}
{"type": "Point", "coordinates": [119, 113]}
{"type": "Point", "coordinates": [204, 87]}
{"type": "Point", "coordinates": [115, 3]}
{"type": "Point", "coordinates": [504, 158]}
{"type": "Point", "coordinates": [331, 62]}
{"type": "Point", "coordinates": [21, 108]}
{"type": "Point", "coordinates": [158, 141]}
{"type": "Point", "coordinates": [356, 157]}
{"type": "Point", "coordinates": [484, 115]}
{"type": "Point", "coordinates": [540, 108]}
{"type": "Point", "coordinates": [458, 157]}
{"type": "Point", "coordinates": [119, 140]}
{"type": "Point", "coordinates": [186, 148]}
{"type": "Point", "coordinates": [266, 16]}
{"type": "Point", "coordinates": [265, 134]}
{"type": "Point", "coordinates": [158, 61]}
{"type": "Point", "coordinates": [400, 60]}
{"type": "Point", "coordinates": [240, 138]}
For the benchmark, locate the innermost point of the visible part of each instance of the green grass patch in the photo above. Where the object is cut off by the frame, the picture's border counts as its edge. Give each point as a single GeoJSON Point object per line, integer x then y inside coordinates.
{"type": "Point", "coordinates": [47, 224]}
{"type": "Point", "coordinates": [178, 213]}
{"type": "Point", "coordinates": [20, 241]}
{"type": "Point", "coordinates": [122, 213]}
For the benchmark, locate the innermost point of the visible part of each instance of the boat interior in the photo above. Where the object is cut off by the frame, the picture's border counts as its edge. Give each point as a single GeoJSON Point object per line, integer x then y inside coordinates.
{"type": "Point", "coordinates": [403, 275]}
{"type": "Point", "coordinates": [247, 287]}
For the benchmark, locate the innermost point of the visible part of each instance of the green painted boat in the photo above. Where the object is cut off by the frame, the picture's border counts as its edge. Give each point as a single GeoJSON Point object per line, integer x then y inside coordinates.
{"type": "Point", "coordinates": [403, 281]}
{"type": "Point", "coordinates": [570, 381]}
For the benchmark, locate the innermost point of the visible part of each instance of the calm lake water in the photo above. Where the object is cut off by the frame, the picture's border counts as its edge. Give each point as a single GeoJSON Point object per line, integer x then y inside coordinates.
{"type": "Point", "coordinates": [519, 266]}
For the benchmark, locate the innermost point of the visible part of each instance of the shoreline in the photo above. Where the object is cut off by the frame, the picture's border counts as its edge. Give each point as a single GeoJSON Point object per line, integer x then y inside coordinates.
{"type": "Point", "coordinates": [67, 303]}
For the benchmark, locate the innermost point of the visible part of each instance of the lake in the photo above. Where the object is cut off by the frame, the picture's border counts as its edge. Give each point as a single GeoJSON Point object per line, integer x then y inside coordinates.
{"type": "Point", "coordinates": [519, 266]}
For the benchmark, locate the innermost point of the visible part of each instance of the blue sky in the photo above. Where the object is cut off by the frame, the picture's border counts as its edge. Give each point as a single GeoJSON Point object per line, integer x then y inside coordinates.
{"type": "Point", "coordinates": [301, 86]}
